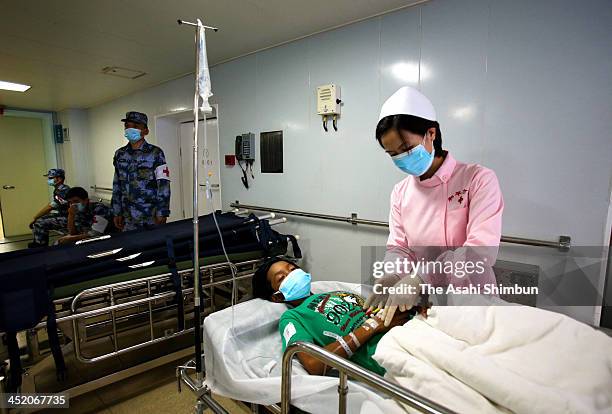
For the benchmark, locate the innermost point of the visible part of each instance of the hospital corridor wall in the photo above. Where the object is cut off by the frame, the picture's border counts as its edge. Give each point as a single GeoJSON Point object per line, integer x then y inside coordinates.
{"type": "Point", "coordinates": [519, 86]}
{"type": "Point", "coordinates": [75, 148]}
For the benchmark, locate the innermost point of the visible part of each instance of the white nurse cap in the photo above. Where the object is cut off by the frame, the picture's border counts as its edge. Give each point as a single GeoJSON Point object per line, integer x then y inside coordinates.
{"type": "Point", "coordinates": [408, 101]}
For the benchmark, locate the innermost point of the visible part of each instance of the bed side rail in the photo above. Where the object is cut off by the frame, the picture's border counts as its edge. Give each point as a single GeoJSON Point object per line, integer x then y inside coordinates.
{"type": "Point", "coordinates": [347, 369]}
{"type": "Point", "coordinates": [80, 312]}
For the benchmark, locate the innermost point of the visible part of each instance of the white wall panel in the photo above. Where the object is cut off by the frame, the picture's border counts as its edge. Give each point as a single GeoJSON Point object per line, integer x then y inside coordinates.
{"type": "Point", "coordinates": [522, 87]}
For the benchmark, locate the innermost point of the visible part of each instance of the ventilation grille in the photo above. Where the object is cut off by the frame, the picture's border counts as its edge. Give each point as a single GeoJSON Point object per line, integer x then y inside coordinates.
{"type": "Point", "coordinates": [325, 94]}
{"type": "Point", "coordinates": [122, 72]}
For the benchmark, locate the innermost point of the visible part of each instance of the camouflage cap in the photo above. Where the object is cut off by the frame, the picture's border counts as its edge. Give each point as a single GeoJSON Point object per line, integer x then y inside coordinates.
{"type": "Point", "coordinates": [136, 117]}
{"type": "Point", "coordinates": [55, 172]}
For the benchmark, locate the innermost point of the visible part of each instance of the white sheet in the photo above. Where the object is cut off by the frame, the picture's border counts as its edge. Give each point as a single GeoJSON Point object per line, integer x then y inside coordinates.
{"type": "Point", "coordinates": [498, 359]}
{"type": "Point", "coordinates": [248, 367]}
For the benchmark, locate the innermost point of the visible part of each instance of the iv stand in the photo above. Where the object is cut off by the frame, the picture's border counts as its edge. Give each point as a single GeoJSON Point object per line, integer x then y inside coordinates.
{"type": "Point", "coordinates": [196, 231]}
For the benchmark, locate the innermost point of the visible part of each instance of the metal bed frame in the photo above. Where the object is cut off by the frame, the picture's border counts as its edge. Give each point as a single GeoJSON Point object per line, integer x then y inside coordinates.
{"type": "Point", "coordinates": [345, 368]}
{"type": "Point", "coordinates": [144, 309]}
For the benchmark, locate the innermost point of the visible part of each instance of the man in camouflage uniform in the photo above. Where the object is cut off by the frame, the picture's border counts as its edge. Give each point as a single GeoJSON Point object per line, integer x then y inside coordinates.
{"type": "Point", "coordinates": [141, 186]}
{"type": "Point", "coordinates": [85, 218]}
{"type": "Point", "coordinates": [53, 216]}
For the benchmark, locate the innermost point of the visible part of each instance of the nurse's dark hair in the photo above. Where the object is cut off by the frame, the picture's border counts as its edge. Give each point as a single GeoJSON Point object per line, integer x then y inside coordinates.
{"type": "Point", "coordinates": [78, 192]}
{"type": "Point", "coordinates": [262, 288]}
{"type": "Point", "coordinates": [412, 124]}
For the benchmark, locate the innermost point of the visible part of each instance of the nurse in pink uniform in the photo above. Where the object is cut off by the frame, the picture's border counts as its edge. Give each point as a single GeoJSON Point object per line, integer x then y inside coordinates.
{"type": "Point", "coordinates": [444, 214]}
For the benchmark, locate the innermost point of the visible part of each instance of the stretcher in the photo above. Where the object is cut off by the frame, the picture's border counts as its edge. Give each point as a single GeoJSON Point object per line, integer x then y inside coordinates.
{"type": "Point", "coordinates": [111, 298]}
{"type": "Point", "coordinates": [244, 362]}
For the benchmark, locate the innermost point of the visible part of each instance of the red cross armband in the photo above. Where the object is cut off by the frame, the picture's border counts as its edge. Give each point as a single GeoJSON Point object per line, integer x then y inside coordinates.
{"type": "Point", "coordinates": [162, 172]}
{"type": "Point", "coordinates": [99, 224]}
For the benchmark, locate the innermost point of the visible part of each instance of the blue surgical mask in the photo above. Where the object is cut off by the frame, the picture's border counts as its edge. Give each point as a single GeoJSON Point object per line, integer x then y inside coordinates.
{"type": "Point", "coordinates": [51, 182]}
{"type": "Point", "coordinates": [132, 134]}
{"type": "Point", "coordinates": [81, 207]}
{"type": "Point", "coordinates": [296, 285]}
{"type": "Point", "coordinates": [414, 162]}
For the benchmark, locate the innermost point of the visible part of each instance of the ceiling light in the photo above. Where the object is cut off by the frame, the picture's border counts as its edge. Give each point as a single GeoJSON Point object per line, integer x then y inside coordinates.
{"type": "Point", "coordinates": [17, 87]}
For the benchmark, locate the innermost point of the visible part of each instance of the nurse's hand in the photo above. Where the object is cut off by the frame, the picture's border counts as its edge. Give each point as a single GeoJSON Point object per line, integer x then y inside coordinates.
{"type": "Point", "coordinates": [404, 295]}
{"type": "Point", "coordinates": [379, 296]}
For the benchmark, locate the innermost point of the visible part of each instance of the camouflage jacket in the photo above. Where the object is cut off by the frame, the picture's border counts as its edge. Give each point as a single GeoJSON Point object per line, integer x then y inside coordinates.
{"type": "Point", "coordinates": [94, 221]}
{"type": "Point", "coordinates": [141, 185]}
{"type": "Point", "coordinates": [59, 201]}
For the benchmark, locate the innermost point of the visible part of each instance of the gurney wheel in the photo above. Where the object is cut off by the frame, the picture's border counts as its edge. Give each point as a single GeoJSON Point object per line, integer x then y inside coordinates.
{"type": "Point", "coordinates": [200, 407]}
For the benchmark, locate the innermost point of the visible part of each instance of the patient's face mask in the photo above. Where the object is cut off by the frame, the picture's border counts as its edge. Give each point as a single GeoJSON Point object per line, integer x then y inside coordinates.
{"type": "Point", "coordinates": [132, 134]}
{"type": "Point", "coordinates": [296, 285]}
{"type": "Point", "coordinates": [51, 182]}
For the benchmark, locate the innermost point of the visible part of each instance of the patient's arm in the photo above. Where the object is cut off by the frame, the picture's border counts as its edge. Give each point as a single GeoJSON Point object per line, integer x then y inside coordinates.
{"type": "Point", "coordinates": [363, 334]}
{"type": "Point", "coordinates": [72, 211]}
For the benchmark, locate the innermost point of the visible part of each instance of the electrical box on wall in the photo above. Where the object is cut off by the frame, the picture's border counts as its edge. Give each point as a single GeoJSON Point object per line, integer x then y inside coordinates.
{"type": "Point", "coordinates": [328, 99]}
{"type": "Point", "coordinates": [59, 134]}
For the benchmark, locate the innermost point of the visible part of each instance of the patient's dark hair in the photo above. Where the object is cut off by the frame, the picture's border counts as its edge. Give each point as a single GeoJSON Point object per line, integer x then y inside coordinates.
{"type": "Point", "coordinates": [262, 288]}
{"type": "Point", "coordinates": [79, 192]}
{"type": "Point", "coordinates": [409, 123]}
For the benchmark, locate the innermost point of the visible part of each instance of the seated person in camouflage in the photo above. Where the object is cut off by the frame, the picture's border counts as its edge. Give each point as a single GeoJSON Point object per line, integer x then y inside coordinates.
{"type": "Point", "coordinates": [333, 320]}
{"type": "Point", "coordinates": [86, 218]}
{"type": "Point", "coordinates": [53, 216]}
{"type": "Point", "coordinates": [141, 185]}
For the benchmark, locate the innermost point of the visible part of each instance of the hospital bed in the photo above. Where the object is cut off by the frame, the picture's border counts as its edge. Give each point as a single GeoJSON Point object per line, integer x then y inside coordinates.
{"type": "Point", "coordinates": [115, 324]}
{"type": "Point", "coordinates": [243, 361]}
{"type": "Point", "coordinates": [481, 357]}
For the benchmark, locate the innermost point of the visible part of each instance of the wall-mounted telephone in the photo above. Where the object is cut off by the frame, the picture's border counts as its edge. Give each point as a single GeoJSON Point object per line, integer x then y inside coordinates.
{"type": "Point", "coordinates": [245, 147]}
{"type": "Point", "coordinates": [245, 152]}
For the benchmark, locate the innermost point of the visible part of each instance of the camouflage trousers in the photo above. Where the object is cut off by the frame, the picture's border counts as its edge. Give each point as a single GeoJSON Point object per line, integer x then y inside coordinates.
{"type": "Point", "coordinates": [44, 224]}
{"type": "Point", "coordinates": [140, 223]}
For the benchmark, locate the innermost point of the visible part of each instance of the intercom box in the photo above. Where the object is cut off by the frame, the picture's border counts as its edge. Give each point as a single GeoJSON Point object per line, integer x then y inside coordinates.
{"type": "Point", "coordinates": [328, 99]}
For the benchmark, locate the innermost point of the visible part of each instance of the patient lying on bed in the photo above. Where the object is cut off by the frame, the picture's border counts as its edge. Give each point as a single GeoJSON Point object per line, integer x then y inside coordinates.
{"type": "Point", "coordinates": [333, 320]}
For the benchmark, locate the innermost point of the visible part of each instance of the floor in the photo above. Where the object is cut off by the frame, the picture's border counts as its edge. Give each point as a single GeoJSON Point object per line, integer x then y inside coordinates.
{"type": "Point", "coordinates": [154, 391]}
{"type": "Point", "coordinates": [14, 243]}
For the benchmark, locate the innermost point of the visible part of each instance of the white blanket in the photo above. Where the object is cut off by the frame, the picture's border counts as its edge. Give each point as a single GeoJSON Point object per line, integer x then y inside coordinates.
{"type": "Point", "coordinates": [244, 363]}
{"type": "Point", "coordinates": [499, 359]}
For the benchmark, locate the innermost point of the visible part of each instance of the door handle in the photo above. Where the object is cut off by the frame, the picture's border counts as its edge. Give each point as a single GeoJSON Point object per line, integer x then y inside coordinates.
{"type": "Point", "coordinates": [8, 187]}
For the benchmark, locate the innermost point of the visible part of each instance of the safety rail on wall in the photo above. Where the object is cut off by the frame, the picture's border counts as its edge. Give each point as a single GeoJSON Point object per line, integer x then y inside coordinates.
{"type": "Point", "coordinates": [563, 244]}
{"type": "Point", "coordinates": [98, 188]}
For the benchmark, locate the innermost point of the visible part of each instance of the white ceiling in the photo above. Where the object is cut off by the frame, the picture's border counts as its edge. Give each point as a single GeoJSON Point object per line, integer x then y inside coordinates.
{"type": "Point", "coordinates": [60, 46]}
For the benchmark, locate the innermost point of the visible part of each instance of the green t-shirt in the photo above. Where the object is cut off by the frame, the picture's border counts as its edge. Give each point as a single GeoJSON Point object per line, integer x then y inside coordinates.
{"type": "Point", "coordinates": [321, 318]}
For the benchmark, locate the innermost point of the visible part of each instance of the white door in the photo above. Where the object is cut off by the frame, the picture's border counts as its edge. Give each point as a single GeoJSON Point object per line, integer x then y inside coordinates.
{"type": "Point", "coordinates": [209, 164]}
{"type": "Point", "coordinates": [166, 131]}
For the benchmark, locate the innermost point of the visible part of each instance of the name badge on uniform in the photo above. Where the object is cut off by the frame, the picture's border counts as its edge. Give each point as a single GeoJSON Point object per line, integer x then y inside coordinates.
{"type": "Point", "coordinates": [162, 172]}
{"type": "Point", "coordinates": [99, 224]}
